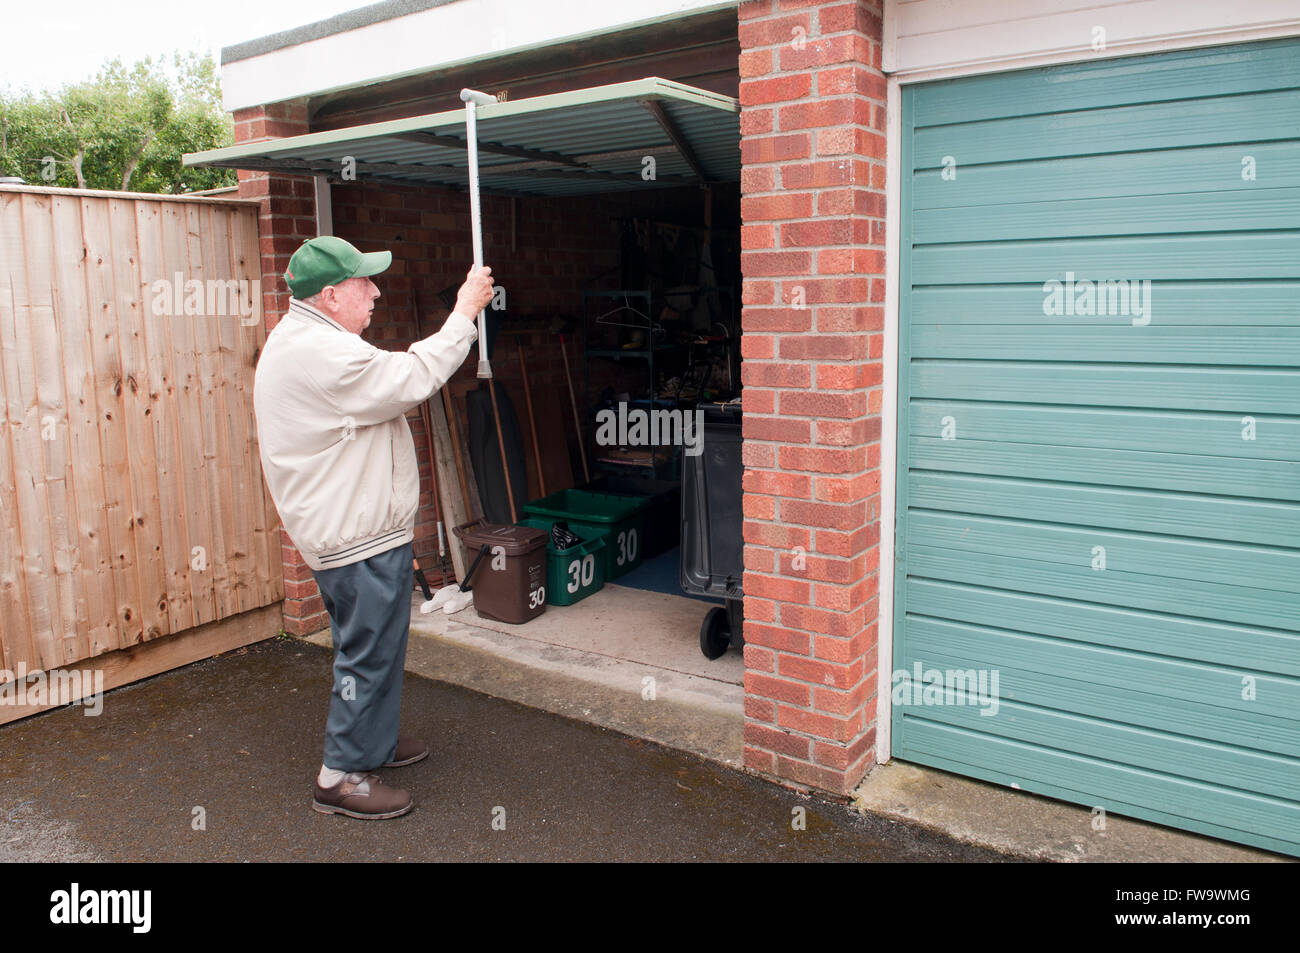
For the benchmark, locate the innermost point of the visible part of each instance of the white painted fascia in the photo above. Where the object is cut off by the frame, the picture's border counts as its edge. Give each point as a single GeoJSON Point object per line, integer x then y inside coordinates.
{"type": "Point", "coordinates": [444, 36]}
{"type": "Point", "coordinates": [937, 39]}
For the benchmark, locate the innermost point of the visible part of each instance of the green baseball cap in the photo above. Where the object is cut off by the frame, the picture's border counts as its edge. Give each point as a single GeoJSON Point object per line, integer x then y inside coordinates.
{"type": "Point", "coordinates": [327, 260]}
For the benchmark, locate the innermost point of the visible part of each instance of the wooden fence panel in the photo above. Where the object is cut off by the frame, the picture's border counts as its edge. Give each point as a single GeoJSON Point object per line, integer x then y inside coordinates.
{"type": "Point", "coordinates": [119, 508]}
{"type": "Point", "coordinates": [131, 491]}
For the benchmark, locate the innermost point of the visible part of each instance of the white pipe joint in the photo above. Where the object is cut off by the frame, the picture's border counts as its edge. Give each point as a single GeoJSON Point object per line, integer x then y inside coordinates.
{"type": "Point", "coordinates": [477, 98]}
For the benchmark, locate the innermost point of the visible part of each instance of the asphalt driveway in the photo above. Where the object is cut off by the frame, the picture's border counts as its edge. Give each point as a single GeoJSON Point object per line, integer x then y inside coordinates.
{"type": "Point", "coordinates": [215, 762]}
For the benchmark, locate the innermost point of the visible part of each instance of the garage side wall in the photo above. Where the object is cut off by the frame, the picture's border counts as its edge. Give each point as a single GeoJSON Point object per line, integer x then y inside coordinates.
{"type": "Point", "coordinates": [813, 208]}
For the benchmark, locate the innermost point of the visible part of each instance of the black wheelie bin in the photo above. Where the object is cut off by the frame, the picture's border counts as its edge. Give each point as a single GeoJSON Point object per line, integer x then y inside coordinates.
{"type": "Point", "coordinates": [713, 548]}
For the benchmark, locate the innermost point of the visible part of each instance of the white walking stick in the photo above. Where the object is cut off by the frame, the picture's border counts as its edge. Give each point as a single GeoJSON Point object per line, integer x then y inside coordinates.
{"type": "Point", "coordinates": [472, 99]}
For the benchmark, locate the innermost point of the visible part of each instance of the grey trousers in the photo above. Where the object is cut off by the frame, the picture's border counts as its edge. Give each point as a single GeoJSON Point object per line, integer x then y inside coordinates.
{"type": "Point", "coordinates": [370, 607]}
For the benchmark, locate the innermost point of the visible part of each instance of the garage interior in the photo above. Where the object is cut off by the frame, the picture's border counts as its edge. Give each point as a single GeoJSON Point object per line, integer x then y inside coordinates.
{"type": "Point", "coordinates": [611, 219]}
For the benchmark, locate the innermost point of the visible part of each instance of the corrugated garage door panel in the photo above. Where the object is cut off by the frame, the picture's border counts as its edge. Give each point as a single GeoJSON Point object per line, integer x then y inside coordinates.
{"type": "Point", "coordinates": [1165, 685]}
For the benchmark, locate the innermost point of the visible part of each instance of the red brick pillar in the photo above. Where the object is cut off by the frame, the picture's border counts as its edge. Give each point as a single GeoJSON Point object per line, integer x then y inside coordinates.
{"type": "Point", "coordinates": [287, 217]}
{"type": "Point", "coordinates": [812, 202]}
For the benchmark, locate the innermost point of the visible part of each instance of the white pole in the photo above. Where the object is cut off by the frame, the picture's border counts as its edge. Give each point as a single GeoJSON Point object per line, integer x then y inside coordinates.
{"type": "Point", "coordinates": [472, 99]}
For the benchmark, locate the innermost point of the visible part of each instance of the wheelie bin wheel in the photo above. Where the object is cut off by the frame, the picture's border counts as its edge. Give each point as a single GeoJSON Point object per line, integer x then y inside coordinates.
{"type": "Point", "coordinates": [715, 634]}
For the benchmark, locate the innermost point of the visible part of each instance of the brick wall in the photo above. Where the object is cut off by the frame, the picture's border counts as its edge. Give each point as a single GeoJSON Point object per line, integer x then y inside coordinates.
{"type": "Point", "coordinates": [812, 208]}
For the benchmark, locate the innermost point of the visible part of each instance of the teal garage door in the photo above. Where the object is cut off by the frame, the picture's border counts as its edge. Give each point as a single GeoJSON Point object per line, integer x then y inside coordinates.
{"type": "Point", "coordinates": [1098, 539]}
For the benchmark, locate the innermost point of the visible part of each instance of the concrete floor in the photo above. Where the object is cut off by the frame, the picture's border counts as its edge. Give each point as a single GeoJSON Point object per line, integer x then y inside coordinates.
{"type": "Point", "coordinates": [624, 659]}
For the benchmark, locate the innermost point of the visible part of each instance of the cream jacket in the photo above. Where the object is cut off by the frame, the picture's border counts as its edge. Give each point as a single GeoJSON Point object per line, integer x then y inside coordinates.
{"type": "Point", "coordinates": [336, 450]}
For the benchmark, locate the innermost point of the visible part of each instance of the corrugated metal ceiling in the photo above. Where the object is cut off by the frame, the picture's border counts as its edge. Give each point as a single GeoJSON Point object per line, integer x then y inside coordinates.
{"type": "Point", "coordinates": [573, 143]}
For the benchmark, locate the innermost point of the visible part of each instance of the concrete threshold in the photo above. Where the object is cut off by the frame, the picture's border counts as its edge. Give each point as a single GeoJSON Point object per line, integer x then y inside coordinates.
{"type": "Point", "coordinates": [1032, 826]}
{"type": "Point", "coordinates": [624, 659]}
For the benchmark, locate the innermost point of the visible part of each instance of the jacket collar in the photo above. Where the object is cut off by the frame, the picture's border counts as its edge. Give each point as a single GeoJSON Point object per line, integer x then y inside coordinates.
{"type": "Point", "coordinates": [305, 312]}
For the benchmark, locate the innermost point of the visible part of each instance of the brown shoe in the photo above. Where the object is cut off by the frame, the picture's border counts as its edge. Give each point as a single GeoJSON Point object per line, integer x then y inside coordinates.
{"type": "Point", "coordinates": [409, 751]}
{"type": "Point", "coordinates": [363, 796]}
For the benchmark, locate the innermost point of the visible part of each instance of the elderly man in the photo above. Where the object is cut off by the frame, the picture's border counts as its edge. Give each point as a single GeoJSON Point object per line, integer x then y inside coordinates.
{"type": "Point", "coordinates": [340, 464]}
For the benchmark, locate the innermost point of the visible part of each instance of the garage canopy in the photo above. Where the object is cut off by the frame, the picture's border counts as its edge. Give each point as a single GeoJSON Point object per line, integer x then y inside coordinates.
{"type": "Point", "coordinates": [571, 143]}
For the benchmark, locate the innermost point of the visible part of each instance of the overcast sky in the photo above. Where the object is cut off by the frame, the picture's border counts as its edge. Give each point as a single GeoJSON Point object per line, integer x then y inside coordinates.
{"type": "Point", "coordinates": [46, 44]}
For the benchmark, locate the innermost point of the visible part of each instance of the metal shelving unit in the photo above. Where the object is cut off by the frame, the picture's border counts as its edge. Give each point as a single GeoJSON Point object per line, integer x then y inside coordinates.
{"type": "Point", "coordinates": [644, 299]}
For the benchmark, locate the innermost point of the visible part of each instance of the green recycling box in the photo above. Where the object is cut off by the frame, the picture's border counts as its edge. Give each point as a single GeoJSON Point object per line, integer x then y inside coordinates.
{"type": "Point", "coordinates": [618, 519]}
{"type": "Point", "coordinates": [572, 574]}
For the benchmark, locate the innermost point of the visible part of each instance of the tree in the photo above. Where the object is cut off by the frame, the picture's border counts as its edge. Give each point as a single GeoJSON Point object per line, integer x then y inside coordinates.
{"type": "Point", "coordinates": [124, 129]}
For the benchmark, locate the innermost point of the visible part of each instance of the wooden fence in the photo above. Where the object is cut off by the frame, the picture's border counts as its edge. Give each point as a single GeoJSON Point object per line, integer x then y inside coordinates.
{"type": "Point", "coordinates": [132, 505]}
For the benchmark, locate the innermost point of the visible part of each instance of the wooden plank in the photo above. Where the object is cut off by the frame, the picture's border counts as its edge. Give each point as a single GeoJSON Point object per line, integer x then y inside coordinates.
{"type": "Point", "coordinates": [163, 390]}
{"type": "Point", "coordinates": [15, 622]}
{"type": "Point", "coordinates": [214, 463]}
{"type": "Point", "coordinates": [454, 510]}
{"type": "Point", "coordinates": [133, 663]}
{"type": "Point", "coordinates": [118, 507]}
{"type": "Point", "coordinates": [460, 420]}
{"type": "Point", "coordinates": [197, 521]}
{"type": "Point", "coordinates": [29, 455]}
{"type": "Point", "coordinates": [244, 585]}
{"type": "Point", "coordinates": [252, 336]}
{"type": "Point", "coordinates": [148, 412]}
{"type": "Point", "coordinates": [95, 558]}
{"type": "Point", "coordinates": [72, 614]}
